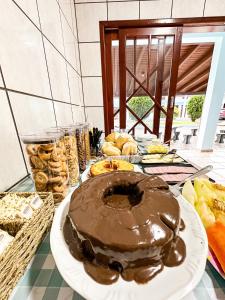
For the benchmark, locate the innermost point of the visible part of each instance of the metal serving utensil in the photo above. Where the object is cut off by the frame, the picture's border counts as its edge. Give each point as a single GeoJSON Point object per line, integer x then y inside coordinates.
{"type": "Point", "coordinates": [175, 189]}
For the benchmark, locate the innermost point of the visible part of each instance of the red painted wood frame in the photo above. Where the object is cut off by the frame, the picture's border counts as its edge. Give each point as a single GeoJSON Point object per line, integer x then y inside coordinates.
{"type": "Point", "coordinates": [150, 33]}
{"type": "Point", "coordinates": [109, 31]}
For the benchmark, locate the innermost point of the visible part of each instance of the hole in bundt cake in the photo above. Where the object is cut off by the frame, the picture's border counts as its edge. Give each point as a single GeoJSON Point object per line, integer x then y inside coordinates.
{"type": "Point", "coordinates": [122, 196]}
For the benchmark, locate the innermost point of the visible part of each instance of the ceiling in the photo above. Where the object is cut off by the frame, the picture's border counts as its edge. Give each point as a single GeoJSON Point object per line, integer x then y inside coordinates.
{"type": "Point", "coordinates": [194, 66]}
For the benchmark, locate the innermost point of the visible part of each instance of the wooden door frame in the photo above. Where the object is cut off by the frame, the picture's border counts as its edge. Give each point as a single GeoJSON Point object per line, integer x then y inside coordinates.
{"type": "Point", "coordinates": [109, 31]}
{"type": "Point", "coordinates": [160, 33]}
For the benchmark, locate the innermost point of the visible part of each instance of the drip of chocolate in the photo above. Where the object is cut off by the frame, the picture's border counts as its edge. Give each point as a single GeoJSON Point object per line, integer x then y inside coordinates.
{"type": "Point", "coordinates": [124, 223]}
{"type": "Point", "coordinates": [182, 225]}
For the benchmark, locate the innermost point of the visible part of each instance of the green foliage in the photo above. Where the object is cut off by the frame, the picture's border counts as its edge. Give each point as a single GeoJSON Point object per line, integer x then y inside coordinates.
{"type": "Point", "coordinates": [194, 107]}
{"type": "Point", "coordinates": [175, 112]}
{"type": "Point", "coordinates": [140, 105]}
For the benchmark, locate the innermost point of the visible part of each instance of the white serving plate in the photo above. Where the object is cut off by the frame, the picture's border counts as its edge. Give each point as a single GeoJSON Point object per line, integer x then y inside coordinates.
{"type": "Point", "coordinates": [86, 174]}
{"type": "Point", "coordinates": [171, 284]}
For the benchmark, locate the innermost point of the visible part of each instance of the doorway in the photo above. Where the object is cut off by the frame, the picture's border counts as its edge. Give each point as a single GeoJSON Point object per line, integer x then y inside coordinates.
{"type": "Point", "coordinates": [140, 65]}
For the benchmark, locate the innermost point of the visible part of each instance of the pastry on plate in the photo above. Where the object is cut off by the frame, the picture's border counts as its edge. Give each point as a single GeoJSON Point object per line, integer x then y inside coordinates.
{"type": "Point", "coordinates": [106, 166]}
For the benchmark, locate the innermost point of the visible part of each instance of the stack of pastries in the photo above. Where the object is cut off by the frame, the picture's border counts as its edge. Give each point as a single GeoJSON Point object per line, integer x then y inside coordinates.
{"type": "Point", "coordinates": [117, 144]}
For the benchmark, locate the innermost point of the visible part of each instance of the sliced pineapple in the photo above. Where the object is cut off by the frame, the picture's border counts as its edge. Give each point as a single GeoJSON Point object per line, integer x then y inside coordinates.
{"type": "Point", "coordinates": [188, 192]}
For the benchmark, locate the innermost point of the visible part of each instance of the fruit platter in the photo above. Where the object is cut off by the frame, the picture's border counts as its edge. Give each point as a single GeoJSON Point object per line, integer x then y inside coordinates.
{"type": "Point", "coordinates": [208, 198]}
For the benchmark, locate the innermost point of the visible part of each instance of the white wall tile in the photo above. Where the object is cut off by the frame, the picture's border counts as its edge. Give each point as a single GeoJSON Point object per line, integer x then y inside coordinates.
{"type": "Point", "coordinates": [57, 73]}
{"type": "Point", "coordinates": [121, 0]}
{"type": "Point", "coordinates": [123, 10]}
{"type": "Point", "coordinates": [50, 22]}
{"type": "Point", "coordinates": [77, 55]}
{"type": "Point", "coordinates": [21, 52]}
{"type": "Point", "coordinates": [88, 17]}
{"type": "Point", "coordinates": [11, 163]}
{"type": "Point", "coordinates": [75, 86]}
{"type": "Point", "coordinates": [69, 43]}
{"type": "Point", "coordinates": [155, 9]}
{"type": "Point", "coordinates": [30, 8]}
{"type": "Point", "coordinates": [1, 82]}
{"type": "Point", "coordinates": [188, 8]}
{"type": "Point", "coordinates": [74, 23]}
{"type": "Point", "coordinates": [95, 116]}
{"type": "Point", "coordinates": [82, 1]}
{"type": "Point", "coordinates": [66, 8]}
{"type": "Point", "coordinates": [214, 8]}
{"type": "Point", "coordinates": [63, 114]}
{"type": "Point", "coordinates": [78, 113]}
{"type": "Point", "coordinates": [90, 59]}
{"type": "Point", "coordinates": [32, 114]}
{"type": "Point", "coordinates": [93, 91]}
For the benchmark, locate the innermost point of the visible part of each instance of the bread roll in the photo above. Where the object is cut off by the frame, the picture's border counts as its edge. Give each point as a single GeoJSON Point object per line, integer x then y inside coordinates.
{"type": "Point", "coordinates": [112, 137]}
{"type": "Point", "coordinates": [112, 151]}
{"type": "Point", "coordinates": [129, 148]}
{"type": "Point", "coordinates": [122, 139]}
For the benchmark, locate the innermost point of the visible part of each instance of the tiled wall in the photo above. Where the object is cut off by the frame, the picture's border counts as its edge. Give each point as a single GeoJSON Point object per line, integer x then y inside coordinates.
{"type": "Point", "coordinates": [51, 66]}
{"type": "Point", "coordinates": [40, 80]}
{"type": "Point", "coordinates": [90, 12]}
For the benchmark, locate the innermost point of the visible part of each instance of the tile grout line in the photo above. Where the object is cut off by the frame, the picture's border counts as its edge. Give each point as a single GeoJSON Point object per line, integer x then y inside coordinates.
{"type": "Point", "coordinates": [171, 12]}
{"type": "Point", "coordinates": [114, 1]}
{"type": "Point", "coordinates": [33, 95]}
{"type": "Point", "coordinates": [18, 182]}
{"type": "Point", "coordinates": [46, 63]}
{"type": "Point", "coordinates": [204, 8]}
{"type": "Point", "coordinates": [14, 120]}
{"type": "Point", "coordinates": [94, 76]}
{"type": "Point", "coordinates": [66, 18]}
{"type": "Point", "coordinates": [90, 42]}
{"type": "Point", "coordinates": [82, 85]}
{"type": "Point", "coordinates": [93, 106]}
{"type": "Point", "coordinates": [67, 76]}
{"type": "Point", "coordinates": [45, 36]}
{"type": "Point", "coordinates": [139, 12]}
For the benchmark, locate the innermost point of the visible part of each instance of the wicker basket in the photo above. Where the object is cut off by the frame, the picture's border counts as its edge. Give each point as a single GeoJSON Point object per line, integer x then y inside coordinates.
{"type": "Point", "coordinates": [19, 253]}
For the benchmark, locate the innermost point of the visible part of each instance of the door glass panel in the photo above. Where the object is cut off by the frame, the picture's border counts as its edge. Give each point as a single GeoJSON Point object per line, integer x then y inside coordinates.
{"type": "Point", "coordinates": [138, 63]}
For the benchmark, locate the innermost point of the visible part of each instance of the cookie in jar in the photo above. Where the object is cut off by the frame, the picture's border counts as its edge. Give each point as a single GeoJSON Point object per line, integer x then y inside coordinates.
{"type": "Point", "coordinates": [48, 164]}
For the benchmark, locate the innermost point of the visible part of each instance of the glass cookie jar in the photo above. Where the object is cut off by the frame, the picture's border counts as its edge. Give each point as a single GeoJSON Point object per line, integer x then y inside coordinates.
{"type": "Point", "coordinates": [70, 144]}
{"type": "Point", "coordinates": [81, 147]}
{"type": "Point", "coordinates": [87, 141]}
{"type": "Point", "coordinates": [48, 164]}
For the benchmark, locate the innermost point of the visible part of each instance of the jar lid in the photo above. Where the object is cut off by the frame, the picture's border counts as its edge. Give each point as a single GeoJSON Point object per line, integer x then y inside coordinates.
{"type": "Point", "coordinates": [78, 126]}
{"type": "Point", "coordinates": [68, 130]}
{"type": "Point", "coordinates": [53, 130]}
{"type": "Point", "coordinates": [40, 138]}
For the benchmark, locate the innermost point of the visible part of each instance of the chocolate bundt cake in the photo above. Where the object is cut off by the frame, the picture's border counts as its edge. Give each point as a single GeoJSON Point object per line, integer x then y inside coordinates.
{"type": "Point", "coordinates": [124, 223]}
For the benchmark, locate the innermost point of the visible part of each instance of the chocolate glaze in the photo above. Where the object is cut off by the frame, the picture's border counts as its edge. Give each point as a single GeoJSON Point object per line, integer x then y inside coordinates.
{"type": "Point", "coordinates": [182, 225]}
{"type": "Point", "coordinates": [124, 222]}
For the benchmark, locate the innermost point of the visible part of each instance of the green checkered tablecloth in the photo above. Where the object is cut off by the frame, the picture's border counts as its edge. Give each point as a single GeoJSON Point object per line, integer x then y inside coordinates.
{"type": "Point", "coordinates": [42, 279]}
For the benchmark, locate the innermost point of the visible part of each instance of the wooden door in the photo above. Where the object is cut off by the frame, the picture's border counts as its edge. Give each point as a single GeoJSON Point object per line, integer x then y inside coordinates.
{"type": "Point", "coordinates": [159, 48]}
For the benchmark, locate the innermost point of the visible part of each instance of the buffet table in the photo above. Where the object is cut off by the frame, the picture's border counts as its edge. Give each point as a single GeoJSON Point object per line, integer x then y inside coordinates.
{"type": "Point", "coordinates": [42, 279]}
